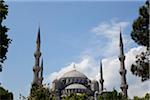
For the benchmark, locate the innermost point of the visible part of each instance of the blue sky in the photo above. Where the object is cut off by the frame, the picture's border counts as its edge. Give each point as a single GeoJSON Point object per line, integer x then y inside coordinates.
{"type": "Point", "coordinates": [66, 35]}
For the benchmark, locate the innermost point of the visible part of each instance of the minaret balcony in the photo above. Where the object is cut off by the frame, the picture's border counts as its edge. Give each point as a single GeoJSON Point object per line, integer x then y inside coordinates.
{"type": "Point", "coordinates": [36, 68]}
{"type": "Point", "coordinates": [123, 71]}
{"type": "Point", "coordinates": [101, 81]}
{"type": "Point", "coordinates": [124, 86]}
{"type": "Point", "coordinates": [121, 57]}
{"type": "Point", "coordinates": [37, 54]}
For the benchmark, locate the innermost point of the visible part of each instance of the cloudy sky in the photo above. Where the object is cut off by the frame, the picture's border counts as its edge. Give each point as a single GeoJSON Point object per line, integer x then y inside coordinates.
{"type": "Point", "coordinates": [77, 32]}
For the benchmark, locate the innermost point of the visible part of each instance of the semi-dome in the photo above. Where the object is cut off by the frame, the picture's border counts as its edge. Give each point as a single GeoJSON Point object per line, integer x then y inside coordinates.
{"type": "Point", "coordinates": [76, 86]}
{"type": "Point", "coordinates": [74, 73]}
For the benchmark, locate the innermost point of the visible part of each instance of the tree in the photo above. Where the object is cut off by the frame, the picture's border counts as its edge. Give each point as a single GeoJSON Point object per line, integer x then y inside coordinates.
{"type": "Point", "coordinates": [4, 39]}
{"type": "Point", "coordinates": [114, 95]}
{"type": "Point", "coordinates": [146, 97]}
{"type": "Point", "coordinates": [39, 93]}
{"type": "Point", "coordinates": [5, 94]}
{"type": "Point", "coordinates": [74, 96]}
{"type": "Point", "coordinates": [140, 34]}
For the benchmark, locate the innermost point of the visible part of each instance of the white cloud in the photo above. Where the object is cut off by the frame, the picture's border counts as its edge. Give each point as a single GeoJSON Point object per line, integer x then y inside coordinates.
{"type": "Point", "coordinates": [86, 64]}
{"type": "Point", "coordinates": [112, 77]}
{"type": "Point", "coordinates": [107, 40]}
{"type": "Point", "coordinates": [110, 29]}
{"type": "Point", "coordinates": [90, 68]}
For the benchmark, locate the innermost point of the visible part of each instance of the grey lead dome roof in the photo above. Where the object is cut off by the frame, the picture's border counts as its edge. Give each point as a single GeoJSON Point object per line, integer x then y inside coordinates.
{"type": "Point", "coordinates": [74, 73]}
{"type": "Point", "coordinates": [76, 86]}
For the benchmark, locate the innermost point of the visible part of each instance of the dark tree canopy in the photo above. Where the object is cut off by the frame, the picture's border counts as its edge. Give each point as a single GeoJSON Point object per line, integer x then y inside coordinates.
{"type": "Point", "coordinates": [140, 34]}
{"type": "Point", "coordinates": [141, 67]}
{"type": "Point", "coordinates": [5, 94]}
{"type": "Point", "coordinates": [4, 39]}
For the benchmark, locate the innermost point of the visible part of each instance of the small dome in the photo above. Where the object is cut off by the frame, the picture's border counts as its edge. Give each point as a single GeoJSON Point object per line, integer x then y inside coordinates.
{"type": "Point", "coordinates": [76, 86]}
{"type": "Point", "coordinates": [74, 73]}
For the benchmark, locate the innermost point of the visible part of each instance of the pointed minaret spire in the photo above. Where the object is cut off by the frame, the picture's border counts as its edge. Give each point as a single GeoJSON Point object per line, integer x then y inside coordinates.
{"type": "Point", "coordinates": [37, 56]}
{"type": "Point", "coordinates": [101, 78]}
{"type": "Point", "coordinates": [121, 42]}
{"type": "Point", "coordinates": [122, 71]}
{"type": "Point", "coordinates": [38, 41]}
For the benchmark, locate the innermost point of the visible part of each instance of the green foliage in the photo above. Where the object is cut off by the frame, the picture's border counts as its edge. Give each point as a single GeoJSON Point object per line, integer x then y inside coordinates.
{"type": "Point", "coordinates": [4, 40]}
{"type": "Point", "coordinates": [146, 97]}
{"type": "Point", "coordinates": [114, 95]}
{"type": "Point", "coordinates": [39, 93]}
{"type": "Point", "coordinates": [141, 67]}
{"type": "Point", "coordinates": [5, 95]}
{"type": "Point", "coordinates": [140, 34]}
{"type": "Point", "coordinates": [3, 10]}
{"type": "Point", "coordinates": [75, 96]}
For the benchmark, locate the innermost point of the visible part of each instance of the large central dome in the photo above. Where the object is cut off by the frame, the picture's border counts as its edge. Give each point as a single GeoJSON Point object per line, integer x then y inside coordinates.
{"type": "Point", "coordinates": [74, 82]}
{"type": "Point", "coordinates": [74, 73]}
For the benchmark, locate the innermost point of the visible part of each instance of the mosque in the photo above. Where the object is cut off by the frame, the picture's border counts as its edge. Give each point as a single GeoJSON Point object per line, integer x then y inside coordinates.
{"type": "Point", "coordinates": [75, 81]}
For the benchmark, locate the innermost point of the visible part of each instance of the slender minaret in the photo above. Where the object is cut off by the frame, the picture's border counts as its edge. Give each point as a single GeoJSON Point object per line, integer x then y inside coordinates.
{"type": "Point", "coordinates": [41, 73]}
{"type": "Point", "coordinates": [101, 78]}
{"type": "Point", "coordinates": [37, 55]}
{"type": "Point", "coordinates": [122, 71]}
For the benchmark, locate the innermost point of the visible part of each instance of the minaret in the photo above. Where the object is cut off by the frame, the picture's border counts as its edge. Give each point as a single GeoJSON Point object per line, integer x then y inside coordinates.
{"type": "Point", "coordinates": [122, 71]}
{"type": "Point", "coordinates": [37, 56]}
{"type": "Point", "coordinates": [41, 73]}
{"type": "Point", "coordinates": [101, 78]}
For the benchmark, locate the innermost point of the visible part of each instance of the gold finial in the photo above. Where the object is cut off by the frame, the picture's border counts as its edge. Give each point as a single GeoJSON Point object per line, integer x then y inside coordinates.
{"type": "Point", "coordinates": [74, 66]}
